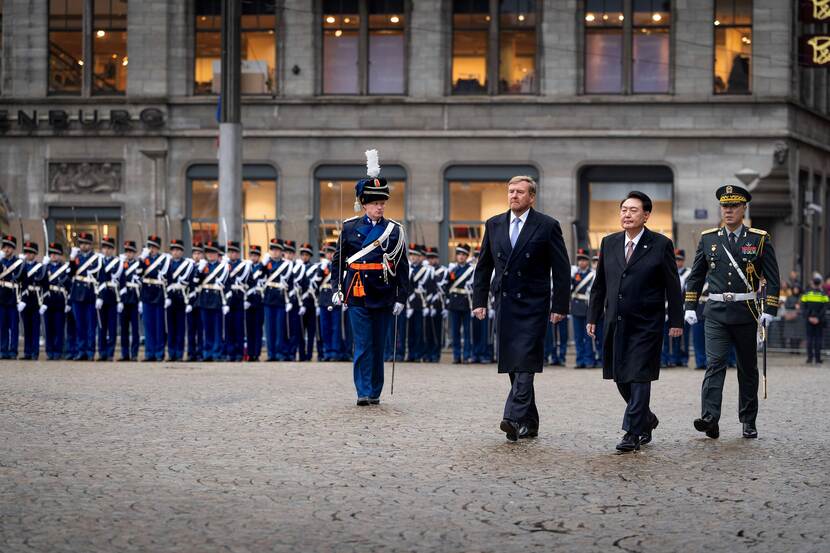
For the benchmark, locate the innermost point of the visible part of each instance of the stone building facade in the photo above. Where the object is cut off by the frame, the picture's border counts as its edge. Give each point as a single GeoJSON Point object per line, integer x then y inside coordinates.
{"type": "Point", "coordinates": [149, 162]}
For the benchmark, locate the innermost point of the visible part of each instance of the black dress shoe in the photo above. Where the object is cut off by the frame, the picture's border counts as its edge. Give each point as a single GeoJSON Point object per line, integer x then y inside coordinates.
{"type": "Point", "coordinates": [511, 429]}
{"type": "Point", "coordinates": [526, 431]}
{"type": "Point", "coordinates": [374, 401]}
{"type": "Point", "coordinates": [629, 443]}
{"type": "Point", "coordinates": [646, 438]}
{"type": "Point", "coordinates": [749, 430]}
{"type": "Point", "coordinates": [362, 401]}
{"type": "Point", "coordinates": [709, 425]}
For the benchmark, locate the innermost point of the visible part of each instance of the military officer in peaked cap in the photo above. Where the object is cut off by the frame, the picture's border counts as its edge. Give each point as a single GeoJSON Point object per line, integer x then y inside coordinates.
{"type": "Point", "coordinates": [177, 303]}
{"type": "Point", "coordinates": [209, 278]}
{"type": "Point", "coordinates": [254, 313]}
{"type": "Point", "coordinates": [195, 334]}
{"type": "Point", "coordinates": [31, 293]}
{"type": "Point", "coordinates": [739, 265]}
{"type": "Point", "coordinates": [129, 306]}
{"type": "Point", "coordinates": [154, 267]}
{"type": "Point", "coordinates": [54, 302]}
{"type": "Point", "coordinates": [84, 268]}
{"type": "Point", "coordinates": [372, 273]}
{"type": "Point", "coordinates": [107, 299]}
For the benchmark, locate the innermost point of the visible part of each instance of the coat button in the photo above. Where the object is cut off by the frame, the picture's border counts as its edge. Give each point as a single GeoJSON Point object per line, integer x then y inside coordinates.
{"type": "Point", "coordinates": [620, 296]}
{"type": "Point", "coordinates": [506, 273]}
{"type": "Point", "coordinates": [619, 317]}
{"type": "Point", "coordinates": [498, 254]}
{"type": "Point", "coordinates": [518, 273]}
{"type": "Point", "coordinates": [527, 255]}
{"type": "Point", "coordinates": [504, 294]}
{"type": "Point", "coordinates": [519, 295]}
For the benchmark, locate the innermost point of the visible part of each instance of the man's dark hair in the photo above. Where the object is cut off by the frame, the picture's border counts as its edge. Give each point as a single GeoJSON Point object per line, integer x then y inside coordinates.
{"type": "Point", "coordinates": [644, 199]}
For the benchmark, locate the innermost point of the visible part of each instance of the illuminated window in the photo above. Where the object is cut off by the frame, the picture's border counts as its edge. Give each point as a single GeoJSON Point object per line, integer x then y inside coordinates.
{"type": "Point", "coordinates": [258, 47]}
{"type": "Point", "coordinates": [609, 67]}
{"type": "Point", "coordinates": [509, 24]}
{"type": "Point", "coordinates": [66, 45]}
{"type": "Point", "coordinates": [259, 203]}
{"type": "Point", "coordinates": [346, 25]}
{"type": "Point", "coordinates": [733, 47]}
{"type": "Point", "coordinates": [109, 47]}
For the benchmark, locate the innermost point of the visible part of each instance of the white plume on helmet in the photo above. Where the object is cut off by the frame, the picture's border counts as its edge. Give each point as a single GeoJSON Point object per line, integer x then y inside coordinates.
{"type": "Point", "coordinates": [372, 163]}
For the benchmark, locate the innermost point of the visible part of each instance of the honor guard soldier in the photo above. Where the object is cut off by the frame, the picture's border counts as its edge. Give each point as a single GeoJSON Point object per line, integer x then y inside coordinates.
{"type": "Point", "coordinates": [581, 283]}
{"type": "Point", "coordinates": [372, 273]}
{"type": "Point", "coordinates": [459, 303]}
{"type": "Point", "coordinates": [417, 309]}
{"type": "Point", "coordinates": [84, 268]}
{"type": "Point", "coordinates": [482, 329]}
{"type": "Point", "coordinates": [177, 304]}
{"type": "Point", "coordinates": [154, 267]}
{"type": "Point", "coordinates": [437, 309]}
{"type": "Point", "coordinates": [254, 313]}
{"type": "Point", "coordinates": [195, 334]}
{"type": "Point", "coordinates": [278, 279]}
{"type": "Point", "coordinates": [31, 294]}
{"type": "Point", "coordinates": [293, 317]}
{"type": "Point", "coordinates": [55, 302]}
{"type": "Point", "coordinates": [210, 277]}
{"type": "Point", "coordinates": [106, 302]}
{"type": "Point", "coordinates": [235, 290]}
{"type": "Point", "coordinates": [308, 303]}
{"type": "Point", "coordinates": [676, 350]}
{"type": "Point", "coordinates": [600, 322]}
{"type": "Point", "coordinates": [129, 289]}
{"type": "Point", "coordinates": [11, 272]}
{"type": "Point", "coordinates": [740, 267]}
{"type": "Point", "coordinates": [331, 316]}
{"type": "Point", "coordinates": [70, 343]}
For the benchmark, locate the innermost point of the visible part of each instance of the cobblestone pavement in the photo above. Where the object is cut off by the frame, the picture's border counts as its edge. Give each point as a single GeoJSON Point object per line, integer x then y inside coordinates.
{"type": "Point", "coordinates": [276, 457]}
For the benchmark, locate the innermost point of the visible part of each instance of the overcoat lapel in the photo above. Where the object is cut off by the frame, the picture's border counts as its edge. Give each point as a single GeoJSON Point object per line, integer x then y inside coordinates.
{"type": "Point", "coordinates": [642, 248]}
{"type": "Point", "coordinates": [529, 228]}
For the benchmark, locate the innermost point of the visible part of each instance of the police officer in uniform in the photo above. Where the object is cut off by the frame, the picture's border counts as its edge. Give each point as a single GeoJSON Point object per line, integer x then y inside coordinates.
{"type": "Point", "coordinates": [129, 289]}
{"type": "Point", "coordinates": [177, 303]}
{"type": "Point", "coordinates": [11, 271]}
{"type": "Point", "coordinates": [31, 292]}
{"type": "Point", "coordinates": [195, 334]}
{"type": "Point", "coordinates": [155, 265]}
{"type": "Point", "coordinates": [106, 302]}
{"type": "Point", "coordinates": [459, 303]}
{"type": "Point", "coordinates": [278, 279]}
{"type": "Point", "coordinates": [738, 263]}
{"type": "Point", "coordinates": [85, 266]}
{"type": "Point", "coordinates": [55, 302]}
{"type": "Point", "coordinates": [254, 314]}
{"type": "Point", "coordinates": [581, 283]}
{"type": "Point", "coordinates": [371, 264]}
{"type": "Point", "coordinates": [210, 276]}
{"type": "Point", "coordinates": [235, 290]}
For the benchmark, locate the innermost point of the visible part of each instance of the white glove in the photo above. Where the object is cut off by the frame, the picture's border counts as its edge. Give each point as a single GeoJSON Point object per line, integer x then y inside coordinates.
{"type": "Point", "coordinates": [690, 317]}
{"type": "Point", "coordinates": [445, 313]}
{"type": "Point", "coordinates": [432, 311]}
{"type": "Point", "coordinates": [766, 319]}
{"type": "Point", "coordinates": [226, 309]}
{"type": "Point", "coordinates": [45, 260]}
{"type": "Point", "coordinates": [2, 254]}
{"type": "Point", "coordinates": [491, 313]}
{"type": "Point", "coordinates": [21, 305]}
{"type": "Point", "coordinates": [140, 308]}
{"type": "Point", "coordinates": [302, 311]}
{"type": "Point", "coordinates": [335, 299]}
{"type": "Point", "coordinates": [119, 307]}
{"type": "Point", "coordinates": [288, 307]}
{"type": "Point", "coordinates": [345, 307]}
{"type": "Point", "coordinates": [317, 311]}
{"type": "Point", "coordinates": [21, 256]}
{"type": "Point", "coordinates": [247, 305]}
{"type": "Point", "coordinates": [266, 258]}
{"type": "Point", "coordinates": [122, 257]}
{"type": "Point", "coordinates": [201, 265]}
{"type": "Point", "coordinates": [188, 308]}
{"type": "Point", "coordinates": [425, 311]}
{"type": "Point", "coordinates": [167, 303]}
{"type": "Point", "coordinates": [409, 313]}
{"type": "Point", "coordinates": [67, 309]}
{"type": "Point", "coordinates": [73, 253]}
{"type": "Point", "coordinates": [397, 308]}
{"type": "Point", "coordinates": [99, 303]}
{"type": "Point", "coordinates": [145, 251]}
{"type": "Point", "coordinates": [43, 309]}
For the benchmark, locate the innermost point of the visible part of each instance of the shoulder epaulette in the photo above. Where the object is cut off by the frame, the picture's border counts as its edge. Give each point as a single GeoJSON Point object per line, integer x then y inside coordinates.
{"type": "Point", "coordinates": [757, 231]}
{"type": "Point", "coordinates": [352, 218]}
{"type": "Point", "coordinates": [394, 221]}
{"type": "Point", "coordinates": [710, 230]}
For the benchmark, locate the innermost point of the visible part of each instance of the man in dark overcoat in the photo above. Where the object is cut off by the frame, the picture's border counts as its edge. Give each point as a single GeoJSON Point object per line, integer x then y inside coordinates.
{"type": "Point", "coordinates": [636, 276]}
{"type": "Point", "coordinates": [524, 248]}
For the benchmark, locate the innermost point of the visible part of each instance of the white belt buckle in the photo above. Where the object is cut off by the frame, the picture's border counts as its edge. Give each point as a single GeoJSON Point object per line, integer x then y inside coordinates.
{"type": "Point", "coordinates": [729, 296]}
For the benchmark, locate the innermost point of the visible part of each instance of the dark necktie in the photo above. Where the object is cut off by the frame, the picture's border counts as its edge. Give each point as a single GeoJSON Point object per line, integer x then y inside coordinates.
{"type": "Point", "coordinates": [733, 243]}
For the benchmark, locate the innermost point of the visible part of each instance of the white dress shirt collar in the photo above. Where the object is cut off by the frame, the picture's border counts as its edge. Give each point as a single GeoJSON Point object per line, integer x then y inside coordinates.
{"type": "Point", "coordinates": [636, 239]}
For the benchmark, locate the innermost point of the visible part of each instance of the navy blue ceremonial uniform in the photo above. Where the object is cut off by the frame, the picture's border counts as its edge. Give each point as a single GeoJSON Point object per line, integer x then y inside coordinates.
{"type": "Point", "coordinates": [437, 311]}
{"type": "Point", "coordinates": [235, 289]}
{"type": "Point", "coordinates": [459, 303]}
{"type": "Point", "coordinates": [130, 292]}
{"type": "Point", "coordinates": [210, 300]}
{"type": "Point", "coordinates": [278, 278]}
{"type": "Point", "coordinates": [581, 283]}
{"type": "Point", "coordinates": [195, 332]}
{"type": "Point", "coordinates": [294, 323]}
{"type": "Point", "coordinates": [153, 294]}
{"type": "Point", "coordinates": [177, 278]}
{"type": "Point", "coordinates": [11, 269]}
{"type": "Point", "coordinates": [84, 270]}
{"type": "Point", "coordinates": [417, 311]}
{"type": "Point", "coordinates": [371, 285]}
{"type": "Point", "coordinates": [308, 300]}
{"type": "Point", "coordinates": [31, 292]}
{"type": "Point", "coordinates": [107, 292]}
{"type": "Point", "coordinates": [55, 300]}
{"type": "Point", "coordinates": [483, 331]}
{"type": "Point", "coordinates": [255, 313]}
{"type": "Point", "coordinates": [331, 317]}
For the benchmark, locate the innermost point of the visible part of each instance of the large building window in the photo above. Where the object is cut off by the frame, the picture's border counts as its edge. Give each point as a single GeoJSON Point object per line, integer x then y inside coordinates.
{"type": "Point", "coordinates": [352, 27]}
{"type": "Point", "coordinates": [259, 203]}
{"type": "Point", "coordinates": [66, 45]}
{"type": "Point", "coordinates": [109, 47]}
{"type": "Point", "coordinates": [627, 46]}
{"type": "Point", "coordinates": [258, 47]}
{"type": "Point", "coordinates": [490, 37]}
{"type": "Point", "coordinates": [335, 197]}
{"type": "Point", "coordinates": [733, 47]}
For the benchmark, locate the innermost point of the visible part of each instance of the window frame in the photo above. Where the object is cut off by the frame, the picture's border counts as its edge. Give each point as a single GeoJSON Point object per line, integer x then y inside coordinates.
{"type": "Point", "coordinates": [628, 29]}
{"type": "Point", "coordinates": [90, 59]}
{"type": "Point", "coordinates": [493, 56]}
{"type": "Point", "coordinates": [715, 28]}
{"type": "Point", "coordinates": [87, 16]}
{"type": "Point", "coordinates": [363, 52]}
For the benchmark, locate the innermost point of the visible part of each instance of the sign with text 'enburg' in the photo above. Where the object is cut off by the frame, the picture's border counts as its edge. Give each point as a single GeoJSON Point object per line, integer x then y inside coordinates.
{"type": "Point", "coordinates": [814, 50]}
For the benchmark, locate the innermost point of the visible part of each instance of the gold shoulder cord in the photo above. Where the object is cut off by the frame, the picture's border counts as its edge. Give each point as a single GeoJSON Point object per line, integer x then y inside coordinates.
{"type": "Point", "coordinates": [757, 303]}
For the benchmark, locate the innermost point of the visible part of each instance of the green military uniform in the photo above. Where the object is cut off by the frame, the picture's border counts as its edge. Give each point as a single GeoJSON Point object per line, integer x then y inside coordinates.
{"type": "Point", "coordinates": [733, 310]}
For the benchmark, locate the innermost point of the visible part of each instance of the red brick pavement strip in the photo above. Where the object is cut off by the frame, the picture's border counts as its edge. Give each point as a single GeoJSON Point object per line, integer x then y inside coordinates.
{"type": "Point", "coordinates": [276, 457]}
